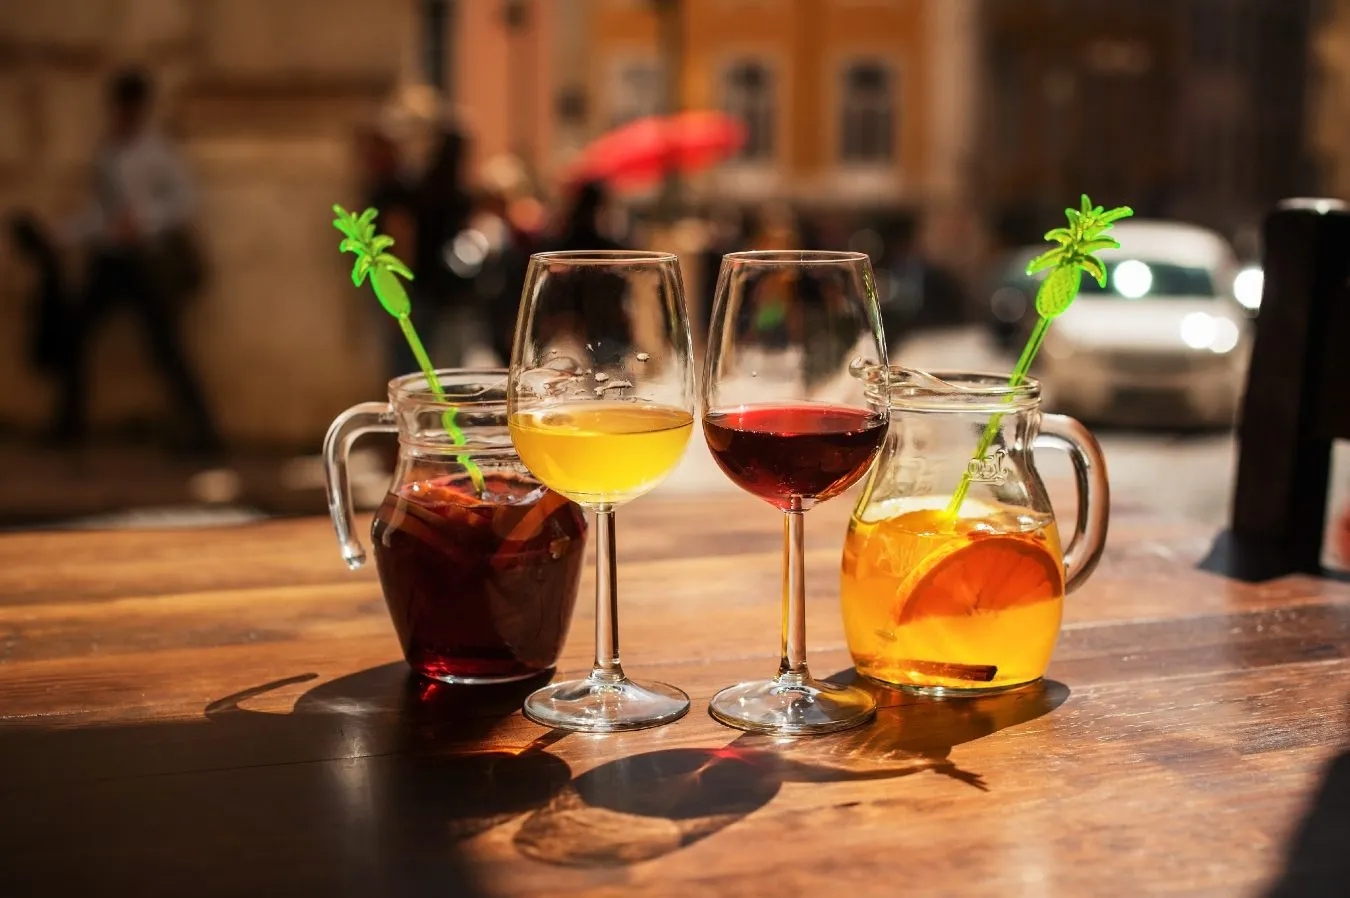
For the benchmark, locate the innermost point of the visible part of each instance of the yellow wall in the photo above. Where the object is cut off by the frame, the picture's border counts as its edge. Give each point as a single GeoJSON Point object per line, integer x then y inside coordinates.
{"type": "Point", "coordinates": [808, 42]}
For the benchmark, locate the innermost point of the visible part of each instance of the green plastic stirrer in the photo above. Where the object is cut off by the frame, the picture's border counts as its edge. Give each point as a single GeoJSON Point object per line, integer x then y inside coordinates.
{"type": "Point", "coordinates": [384, 269]}
{"type": "Point", "coordinates": [1085, 235]}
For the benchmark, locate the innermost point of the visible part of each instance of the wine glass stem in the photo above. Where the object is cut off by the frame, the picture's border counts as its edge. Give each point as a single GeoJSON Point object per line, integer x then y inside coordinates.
{"type": "Point", "coordinates": [792, 666]}
{"type": "Point", "coordinates": [607, 667]}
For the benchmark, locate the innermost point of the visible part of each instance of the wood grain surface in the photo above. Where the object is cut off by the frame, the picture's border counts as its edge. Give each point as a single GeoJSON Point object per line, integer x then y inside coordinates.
{"type": "Point", "coordinates": [225, 712]}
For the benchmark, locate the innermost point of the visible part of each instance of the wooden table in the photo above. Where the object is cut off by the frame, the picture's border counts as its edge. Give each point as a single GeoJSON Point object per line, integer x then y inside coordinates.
{"type": "Point", "coordinates": [225, 712]}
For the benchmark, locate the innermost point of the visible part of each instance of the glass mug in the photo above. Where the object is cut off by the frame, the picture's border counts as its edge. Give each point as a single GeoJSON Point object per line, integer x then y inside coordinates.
{"type": "Point", "coordinates": [971, 602]}
{"type": "Point", "coordinates": [480, 583]}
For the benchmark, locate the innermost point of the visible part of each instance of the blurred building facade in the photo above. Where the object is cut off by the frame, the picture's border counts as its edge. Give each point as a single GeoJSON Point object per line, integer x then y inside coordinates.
{"type": "Point", "coordinates": [497, 72]}
{"type": "Point", "coordinates": [262, 98]}
{"type": "Point", "coordinates": [848, 103]}
{"type": "Point", "coordinates": [951, 108]}
{"type": "Point", "coordinates": [1195, 109]}
{"type": "Point", "coordinates": [1331, 118]}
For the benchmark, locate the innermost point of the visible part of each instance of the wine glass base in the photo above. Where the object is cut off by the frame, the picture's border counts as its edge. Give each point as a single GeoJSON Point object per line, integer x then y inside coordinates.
{"type": "Point", "coordinates": [595, 705]}
{"type": "Point", "coordinates": [785, 708]}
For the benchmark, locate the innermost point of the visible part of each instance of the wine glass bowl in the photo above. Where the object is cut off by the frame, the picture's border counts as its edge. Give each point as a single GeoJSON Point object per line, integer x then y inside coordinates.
{"type": "Point", "coordinates": [787, 420]}
{"type": "Point", "coordinates": [601, 401]}
{"type": "Point", "coordinates": [793, 456]}
{"type": "Point", "coordinates": [603, 453]}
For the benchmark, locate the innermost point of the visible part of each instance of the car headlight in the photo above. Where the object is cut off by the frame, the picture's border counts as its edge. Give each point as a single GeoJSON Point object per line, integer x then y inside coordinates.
{"type": "Point", "coordinates": [1132, 279]}
{"type": "Point", "coordinates": [1226, 336]}
{"type": "Point", "coordinates": [1248, 286]}
{"type": "Point", "coordinates": [1200, 330]}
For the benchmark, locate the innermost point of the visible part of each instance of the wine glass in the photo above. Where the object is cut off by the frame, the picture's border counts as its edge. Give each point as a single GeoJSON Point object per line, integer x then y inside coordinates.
{"type": "Point", "coordinates": [788, 421]}
{"type": "Point", "coordinates": [600, 406]}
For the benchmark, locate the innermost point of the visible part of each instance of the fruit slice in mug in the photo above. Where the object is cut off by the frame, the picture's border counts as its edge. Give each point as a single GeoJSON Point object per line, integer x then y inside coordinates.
{"type": "Point", "coordinates": [987, 574]}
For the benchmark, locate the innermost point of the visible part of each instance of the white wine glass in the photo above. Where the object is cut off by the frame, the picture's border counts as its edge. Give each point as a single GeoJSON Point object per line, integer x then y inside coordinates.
{"type": "Point", "coordinates": [601, 405]}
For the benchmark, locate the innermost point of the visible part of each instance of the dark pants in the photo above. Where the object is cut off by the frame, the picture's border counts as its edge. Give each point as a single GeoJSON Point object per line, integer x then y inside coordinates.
{"type": "Point", "coordinates": [123, 280]}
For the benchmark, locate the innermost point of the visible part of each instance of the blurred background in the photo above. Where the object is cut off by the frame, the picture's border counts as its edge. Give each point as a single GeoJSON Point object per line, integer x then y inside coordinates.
{"type": "Point", "coordinates": [208, 139]}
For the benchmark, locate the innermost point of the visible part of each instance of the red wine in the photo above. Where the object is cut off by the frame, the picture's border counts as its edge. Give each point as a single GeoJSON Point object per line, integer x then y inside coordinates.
{"type": "Point", "coordinates": [479, 590]}
{"type": "Point", "coordinates": [782, 453]}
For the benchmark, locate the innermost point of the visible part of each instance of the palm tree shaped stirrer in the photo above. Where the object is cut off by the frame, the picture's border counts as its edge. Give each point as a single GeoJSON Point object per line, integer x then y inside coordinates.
{"type": "Point", "coordinates": [384, 269]}
{"type": "Point", "coordinates": [1075, 254]}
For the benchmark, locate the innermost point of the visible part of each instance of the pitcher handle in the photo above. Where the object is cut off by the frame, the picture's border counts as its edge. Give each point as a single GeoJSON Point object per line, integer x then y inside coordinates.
{"type": "Point", "coordinates": [1094, 495]}
{"type": "Point", "coordinates": [367, 417]}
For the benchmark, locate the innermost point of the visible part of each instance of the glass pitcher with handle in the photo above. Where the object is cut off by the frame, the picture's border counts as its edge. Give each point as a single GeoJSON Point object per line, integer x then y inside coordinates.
{"type": "Point", "coordinates": [479, 561]}
{"type": "Point", "coordinates": [944, 594]}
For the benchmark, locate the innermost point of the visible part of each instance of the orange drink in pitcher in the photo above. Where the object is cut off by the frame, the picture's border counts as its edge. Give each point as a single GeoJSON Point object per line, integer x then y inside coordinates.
{"type": "Point", "coordinates": [944, 599]}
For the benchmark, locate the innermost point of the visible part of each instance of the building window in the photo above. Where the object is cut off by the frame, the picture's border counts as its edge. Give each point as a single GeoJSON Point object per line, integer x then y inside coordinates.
{"type": "Point", "coordinates": [867, 117]}
{"type": "Point", "coordinates": [637, 91]}
{"type": "Point", "coordinates": [748, 94]}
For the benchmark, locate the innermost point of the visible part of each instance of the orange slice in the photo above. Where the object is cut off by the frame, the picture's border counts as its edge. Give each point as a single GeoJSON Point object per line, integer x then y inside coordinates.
{"type": "Point", "coordinates": [530, 525]}
{"type": "Point", "coordinates": [984, 573]}
{"type": "Point", "coordinates": [523, 521]}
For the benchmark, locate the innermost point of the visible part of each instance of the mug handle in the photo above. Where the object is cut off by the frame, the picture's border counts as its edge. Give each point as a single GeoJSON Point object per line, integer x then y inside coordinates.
{"type": "Point", "coordinates": [1094, 495]}
{"type": "Point", "coordinates": [367, 417]}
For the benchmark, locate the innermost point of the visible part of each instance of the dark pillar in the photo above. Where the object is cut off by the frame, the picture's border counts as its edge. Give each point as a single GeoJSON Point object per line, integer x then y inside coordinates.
{"type": "Point", "coordinates": [1297, 400]}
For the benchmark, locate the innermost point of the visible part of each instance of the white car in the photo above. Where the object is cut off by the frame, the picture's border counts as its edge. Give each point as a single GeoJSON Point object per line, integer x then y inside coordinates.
{"type": "Point", "coordinates": [1165, 342]}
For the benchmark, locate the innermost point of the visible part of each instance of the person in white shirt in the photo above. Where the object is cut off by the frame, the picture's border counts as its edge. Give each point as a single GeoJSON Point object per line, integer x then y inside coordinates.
{"type": "Point", "coordinates": [140, 258]}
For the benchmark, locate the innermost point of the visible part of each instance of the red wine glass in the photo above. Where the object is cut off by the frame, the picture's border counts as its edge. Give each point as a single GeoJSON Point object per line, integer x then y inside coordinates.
{"type": "Point", "coordinates": [787, 422]}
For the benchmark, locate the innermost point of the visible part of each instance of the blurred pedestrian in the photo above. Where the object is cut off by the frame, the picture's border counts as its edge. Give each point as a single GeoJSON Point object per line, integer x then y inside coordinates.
{"type": "Point", "coordinates": [725, 235]}
{"type": "Point", "coordinates": [510, 241]}
{"type": "Point", "coordinates": [142, 257]}
{"type": "Point", "coordinates": [922, 294]}
{"type": "Point", "coordinates": [386, 186]}
{"type": "Point", "coordinates": [449, 255]}
{"type": "Point", "coordinates": [594, 304]}
{"type": "Point", "coordinates": [48, 314]}
{"type": "Point", "coordinates": [771, 310]}
{"type": "Point", "coordinates": [583, 227]}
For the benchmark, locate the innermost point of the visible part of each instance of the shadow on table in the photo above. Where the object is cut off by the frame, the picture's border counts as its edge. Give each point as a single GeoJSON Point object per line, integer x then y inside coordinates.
{"type": "Point", "coordinates": [1317, 861]}
{"type": "Point", "coordinates": [642, 807]}
{"type": "Point", "coordinates": [370, 782]}
{"type": "Point", "coordinates": [354, 792]}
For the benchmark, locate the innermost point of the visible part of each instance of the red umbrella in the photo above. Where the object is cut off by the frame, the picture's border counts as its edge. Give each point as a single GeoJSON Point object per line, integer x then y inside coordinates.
{"type": "Point", "coordinates": [644, 151]}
